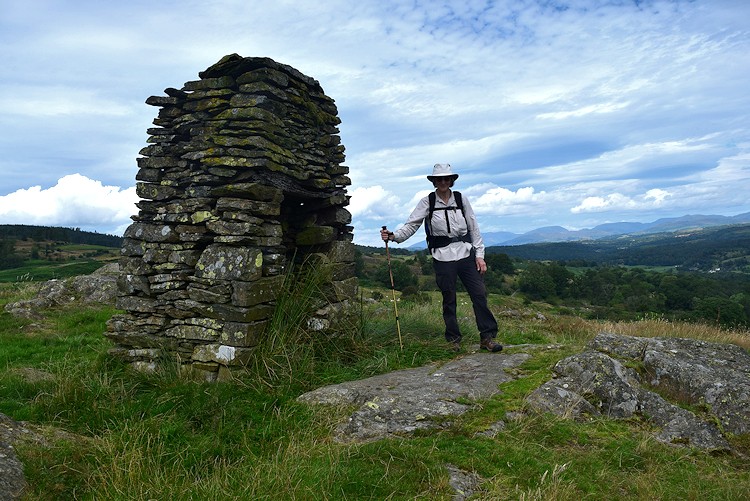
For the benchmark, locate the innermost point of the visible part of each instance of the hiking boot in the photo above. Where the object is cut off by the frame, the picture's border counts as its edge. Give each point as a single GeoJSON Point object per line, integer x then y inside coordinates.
{"type": "Point", "coordinates": [454, 346]}
{"type": "Point", "coordinates": [490, 345]}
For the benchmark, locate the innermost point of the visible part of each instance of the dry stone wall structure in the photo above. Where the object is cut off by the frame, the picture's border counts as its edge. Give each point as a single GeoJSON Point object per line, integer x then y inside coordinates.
{"type": "Point", "coordinates": [242, 177]}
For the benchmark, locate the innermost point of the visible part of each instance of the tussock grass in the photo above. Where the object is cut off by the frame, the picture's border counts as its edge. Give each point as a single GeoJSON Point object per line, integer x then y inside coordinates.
{"type": "Point", "coordinates": [659, 327]}
{"type": "Point", "coordinates": [162, 436]}
{"type": "Point", "coordinates": [551, 486]}
{"type": "Point", "coordinates": [285, 347]}
{"type": "Point", "coordinates": [17, 291]}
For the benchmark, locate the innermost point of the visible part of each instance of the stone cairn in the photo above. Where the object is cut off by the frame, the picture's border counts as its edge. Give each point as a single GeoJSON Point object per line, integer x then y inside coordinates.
{"type": "Point", "coordinates": [242, 180]}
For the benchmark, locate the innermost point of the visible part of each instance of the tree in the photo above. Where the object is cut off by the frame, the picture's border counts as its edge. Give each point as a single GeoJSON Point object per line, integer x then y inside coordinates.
{"type": "Point", "coordinates": [561, 277]}
{"type": "Point", "coordinates": [403, 276]}
{"type": "Point", "coordinates": [493, 280]}
{"type": "Point", "coordinates": [500, 262]}
{"type": "Point", "coordinates": [598, 286]}
{"type": "Point", "coordinates": [721, 310]}
{"type": "Point", "coordinates": [425, 265]}
{"type": "Point", "coordinates": [8, 257]}
{"type": "Point", "coordinates": [677, 291]}
{"type": "Point", "coordinates": [536, 282]}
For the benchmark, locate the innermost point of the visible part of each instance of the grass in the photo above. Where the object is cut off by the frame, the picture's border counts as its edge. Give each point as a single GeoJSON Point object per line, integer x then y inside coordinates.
{"type": "Point", "coordinates": [40, 270]}
{"type": "Point", "coordinates": [658, 327]}
{"type": "Point", "coordinates": [164, 436]}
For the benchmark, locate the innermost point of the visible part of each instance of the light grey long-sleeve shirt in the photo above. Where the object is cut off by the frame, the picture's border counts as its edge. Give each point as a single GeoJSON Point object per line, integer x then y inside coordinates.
{"type": "Point", "coordinates": [459, 226]}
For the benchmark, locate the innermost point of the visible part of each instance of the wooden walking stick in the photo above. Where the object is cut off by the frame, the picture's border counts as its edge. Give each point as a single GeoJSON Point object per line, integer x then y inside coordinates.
{"type": "Point", "coordinates": [393, 289]}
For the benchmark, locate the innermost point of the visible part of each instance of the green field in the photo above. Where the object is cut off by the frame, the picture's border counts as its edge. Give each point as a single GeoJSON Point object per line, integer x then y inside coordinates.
{"type": "Point", "coordinates": [118, 435]}
{"type": "Point", "coordinates": [40, 270]}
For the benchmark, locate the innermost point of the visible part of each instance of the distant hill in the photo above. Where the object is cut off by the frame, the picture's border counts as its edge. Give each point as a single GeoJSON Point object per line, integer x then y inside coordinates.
{"type": "Point", "coordinates": [720, 248]}
{"type": "Point", "coordinates": [544, 234]}
{"type": "Point", "coordinates": [498, 237]}
{"type": "Point", "coordinates": [560, 234]}
{"type": "Point", "coordinates": [53, 233]}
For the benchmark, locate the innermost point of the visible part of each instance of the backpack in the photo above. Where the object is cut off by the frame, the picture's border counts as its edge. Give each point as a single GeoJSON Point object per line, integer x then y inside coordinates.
{"type": "Point", "coordinates": [433, 241]}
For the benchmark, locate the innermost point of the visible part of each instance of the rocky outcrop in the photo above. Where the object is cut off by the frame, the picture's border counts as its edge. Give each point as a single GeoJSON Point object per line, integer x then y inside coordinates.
{"type": "Point", "coordinates": [465, 484]}
{"type": "Point", "coordinates": [99, 287]}
{"type": "Point", "coordinates": [242, 177]}
{"type": "Point", "coordinates": [402, 402]}
{"type": "Point", "coordinates": [624, 376]}
{"type": "Point", "coordinates": [12, 479]}
{"type": "Point", "coordinates": [656, 379]}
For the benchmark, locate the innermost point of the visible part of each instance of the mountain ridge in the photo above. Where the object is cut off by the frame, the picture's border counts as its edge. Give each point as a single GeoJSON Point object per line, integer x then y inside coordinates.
{"type": "Point", "coordinates": [549, 234]}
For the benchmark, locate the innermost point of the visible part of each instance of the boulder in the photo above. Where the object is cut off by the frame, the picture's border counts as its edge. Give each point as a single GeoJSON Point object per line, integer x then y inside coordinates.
{"type": "Point", "coordinates": [12, 480]}
{"type": "Point", "coordinates": [99, 287]}
{"type": "Point", "coordinates": [603, 380]}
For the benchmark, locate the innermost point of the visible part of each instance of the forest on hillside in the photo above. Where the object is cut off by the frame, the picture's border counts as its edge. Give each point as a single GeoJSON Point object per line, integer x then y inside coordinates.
{"type": "Point", "coordinates": [53, 233]}
{"type": "Point", "coordinates": [703, 275]}
{"type": "Point", "coordinates": [724, 248]}
{"type": "Point", "coordinates": [21, 245]}
{"type": "Point", "coordinates": [669, 285]}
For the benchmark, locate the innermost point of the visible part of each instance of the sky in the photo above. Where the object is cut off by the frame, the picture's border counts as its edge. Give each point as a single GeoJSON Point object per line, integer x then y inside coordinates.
{"type": "Point", "coordinates": [566, 113]}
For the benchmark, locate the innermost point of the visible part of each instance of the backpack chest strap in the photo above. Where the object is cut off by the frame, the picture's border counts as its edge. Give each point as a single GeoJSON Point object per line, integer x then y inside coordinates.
{"type": "Point", "coordinates": [447, 219]}
{"type": "Point", "coordinates": [434, 242]}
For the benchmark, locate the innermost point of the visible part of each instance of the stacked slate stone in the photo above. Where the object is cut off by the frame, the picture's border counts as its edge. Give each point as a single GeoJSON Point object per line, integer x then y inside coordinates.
{"type": "Point", "coordinates": [242, 179]}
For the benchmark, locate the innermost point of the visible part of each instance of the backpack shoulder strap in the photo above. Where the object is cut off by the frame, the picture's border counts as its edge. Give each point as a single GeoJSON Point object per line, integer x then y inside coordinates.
{"type": "Point", "coordinates": [459, 202]}
{"type": "Point", "coordinates": [431, 197]}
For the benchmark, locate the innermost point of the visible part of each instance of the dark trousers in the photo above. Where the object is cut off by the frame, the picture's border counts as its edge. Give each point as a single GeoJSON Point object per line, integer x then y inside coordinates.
{"type": "Point", "coordinates": [445, 277]}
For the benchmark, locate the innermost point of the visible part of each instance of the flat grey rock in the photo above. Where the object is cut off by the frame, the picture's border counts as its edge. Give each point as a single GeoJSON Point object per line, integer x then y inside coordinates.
{"type": "Point", "coordinates": [404, 401]}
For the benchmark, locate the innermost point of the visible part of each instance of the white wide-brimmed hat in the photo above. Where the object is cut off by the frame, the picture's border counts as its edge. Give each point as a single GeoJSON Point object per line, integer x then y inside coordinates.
{"type": "Point", "coordinates": [442, 170]}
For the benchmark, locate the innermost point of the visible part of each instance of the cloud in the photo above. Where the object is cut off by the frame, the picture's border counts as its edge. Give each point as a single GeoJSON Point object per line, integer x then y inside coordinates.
{"type": "Point", "coordinates": [557, 113]}
{"type": "Point", "coordinates": [377, 204]}
{"type": "Point", "coordinates": [598, 204]}
{"type": "Point", "coordinates": [55, 100]}
{"type": "Point", "coordinates": [642, 160]}
{"type": "Point", "coordinates": [585, 110]}
{"type": "Point", "coordinates": [402, 166]}
{"type": "Point", "coordinates": [499, 201]}
{"type": "Point", "coordinates": [730, 168]}
{"type": "Point", "coordinates": [618, 202]}
{"type": "Point", "coordinates": [657, 195]}
{"type": "Point", "coordinates": [370, 202]}
{"type": "Point", "coordinates": [75, 201]}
